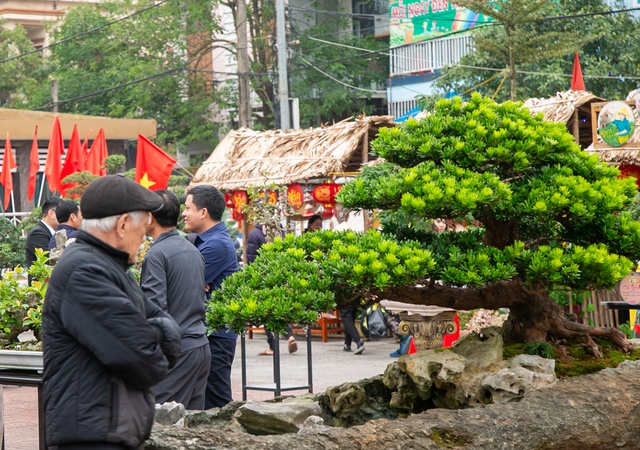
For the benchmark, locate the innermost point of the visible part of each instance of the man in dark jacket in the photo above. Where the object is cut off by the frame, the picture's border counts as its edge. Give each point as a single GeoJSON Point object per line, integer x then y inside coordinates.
{"type": "Point", "coordinates": [41, 232]}
{"type": "Point", "coordinates": [173, 279]}
{"type": "Point", "coordinates": [104, 345]}
{"type": "Point", "coordinates": [69, 221]}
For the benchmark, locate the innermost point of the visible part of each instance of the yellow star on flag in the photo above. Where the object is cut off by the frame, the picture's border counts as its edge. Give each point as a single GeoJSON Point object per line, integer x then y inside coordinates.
{"type": "Point", "coordinates": [146, 182]}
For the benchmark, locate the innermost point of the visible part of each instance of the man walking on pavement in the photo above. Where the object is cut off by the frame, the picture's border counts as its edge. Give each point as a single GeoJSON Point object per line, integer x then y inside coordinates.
{"type": "Point", "coordinates": [203, 211]}
{"type": "Point", "coordinates": [173, 278]}
{"type": "Point", "coordinates": [104, 345]}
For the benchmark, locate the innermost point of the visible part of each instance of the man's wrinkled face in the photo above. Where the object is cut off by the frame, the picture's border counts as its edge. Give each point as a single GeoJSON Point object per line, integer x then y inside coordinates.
{"type": "Point", "coordinates": [133, 233]}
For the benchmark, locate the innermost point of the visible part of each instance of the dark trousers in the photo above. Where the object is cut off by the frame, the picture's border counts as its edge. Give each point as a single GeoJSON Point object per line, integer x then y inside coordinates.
{"type": "Point", "coordinates": [187, 381]}
{"type": "Point", "coordinates": [218, 392]}
{"type": "Point", "coordinates": [271, 340]}
{"type": "Point", "coordinates": [348, 317]}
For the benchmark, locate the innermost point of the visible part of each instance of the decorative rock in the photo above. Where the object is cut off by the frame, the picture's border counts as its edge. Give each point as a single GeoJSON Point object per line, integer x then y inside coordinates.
{"type": "Point", "coordinates": [535, 363]}
{"type": "Point", "coordinates": [276, 418]}
{"type": "Point", "coordinates": [170, 414]}
{"type": "Point", "coordinates": [346, 399]}
{"type": "Point", "coordinates": [313, 423]}
{"type": "Point", "coordinates": [526, 373]}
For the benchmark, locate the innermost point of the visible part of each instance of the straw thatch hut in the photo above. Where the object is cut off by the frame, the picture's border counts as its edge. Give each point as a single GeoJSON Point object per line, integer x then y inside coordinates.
{"type": "Point", "coordinates": [247, 158]}
{"type": "Point", "coordinates": [571, 107]}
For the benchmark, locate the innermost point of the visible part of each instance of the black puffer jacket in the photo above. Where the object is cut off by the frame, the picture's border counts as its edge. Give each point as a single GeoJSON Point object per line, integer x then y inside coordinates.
{"type": "Point", "coordinates": [101, 350]}
{"type": "Point", "coordinates": [256, 239]}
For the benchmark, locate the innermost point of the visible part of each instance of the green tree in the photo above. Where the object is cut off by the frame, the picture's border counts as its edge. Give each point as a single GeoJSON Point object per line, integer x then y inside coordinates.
{"type": "Point", "coordinates": [531, 36]}
{"type": "Point", "coordinates": [549, 216]}
{"type": "Point", "coordinates": [18, 75]}
{"type": "Point", "coordinates": [164, 43]}
{"type": "Point", "coordinates": [339, 89]}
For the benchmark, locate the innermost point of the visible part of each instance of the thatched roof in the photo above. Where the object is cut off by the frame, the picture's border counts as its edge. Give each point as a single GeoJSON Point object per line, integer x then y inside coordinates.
{"type": "Point", "coordinates": [247, 158]}
{"type": "Point", "coordinates": [561, 107]}
{"type": "Point", "coordinates": [627, 154]}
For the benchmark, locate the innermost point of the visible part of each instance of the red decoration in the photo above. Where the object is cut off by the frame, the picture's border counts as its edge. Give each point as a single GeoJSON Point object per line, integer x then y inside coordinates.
{"type": "Point", "coordinates": [228, 199]}
{"type": "Point", "coordinates": [295, 196]}
{"type": "Point", "coordinates": [326, 194]}
{"type": "Point", "coordinates": [272, 197]}
{"type": "Point", "coordinates": [630, 171]}
{"type": "Point", "coordinates": [240, 199]}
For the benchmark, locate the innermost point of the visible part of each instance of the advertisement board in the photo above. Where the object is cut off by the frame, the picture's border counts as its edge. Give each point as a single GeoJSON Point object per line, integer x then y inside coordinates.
{"type": "Point", "coordinates": [416, 20]}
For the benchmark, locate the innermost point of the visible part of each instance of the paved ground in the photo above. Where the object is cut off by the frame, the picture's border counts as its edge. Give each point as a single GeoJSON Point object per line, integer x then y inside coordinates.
{"type": "Point", "coordinates": [331, 366]}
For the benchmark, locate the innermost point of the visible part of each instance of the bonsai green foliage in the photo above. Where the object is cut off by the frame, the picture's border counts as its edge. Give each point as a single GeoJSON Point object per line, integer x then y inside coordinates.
{"type": "Point", "coordinates": [524, 179]}
{"type": "Point", "coordinates": [11, 244]}
{"type": "Point", "coordinates": [320, 267]}
{"type": "Point", "coordinates": [263, 294]}
{"type": "Point", "coordinates": [21, 305]}
{"type": "Point", "coordinates": [113, 164]}
{"type": "Point", "coordinates": [81, 180]}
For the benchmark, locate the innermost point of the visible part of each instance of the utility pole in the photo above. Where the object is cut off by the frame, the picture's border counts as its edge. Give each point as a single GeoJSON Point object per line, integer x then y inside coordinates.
{"type": "Point", "coordinates": [283, 76]}
{"type": "Point", "coordinates": [244, 95]}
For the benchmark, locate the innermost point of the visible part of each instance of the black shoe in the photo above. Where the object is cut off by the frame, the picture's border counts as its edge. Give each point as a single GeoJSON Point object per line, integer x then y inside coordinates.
{"type": "Point", "coordinates": [346, 348]}
{"type": "Point", "coordinates": [360, 349]}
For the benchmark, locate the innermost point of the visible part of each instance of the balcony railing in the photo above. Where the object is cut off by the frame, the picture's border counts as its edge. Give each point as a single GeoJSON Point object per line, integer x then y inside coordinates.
{"type": "Point", "coordinates": [428, 56]}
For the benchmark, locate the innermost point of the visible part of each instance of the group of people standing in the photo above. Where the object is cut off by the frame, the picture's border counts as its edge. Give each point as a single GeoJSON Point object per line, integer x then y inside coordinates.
{"type": "Point", "coordinates": [114, 347]}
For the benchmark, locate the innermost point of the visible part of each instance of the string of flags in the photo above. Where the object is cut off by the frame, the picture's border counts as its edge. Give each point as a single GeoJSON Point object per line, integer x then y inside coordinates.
{"type": "Point", "coordinates": [153, 165]}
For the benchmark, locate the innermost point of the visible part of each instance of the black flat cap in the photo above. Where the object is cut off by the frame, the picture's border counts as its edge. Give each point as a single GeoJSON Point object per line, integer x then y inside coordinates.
{"type": "Point", "coordinates": [113, 195]}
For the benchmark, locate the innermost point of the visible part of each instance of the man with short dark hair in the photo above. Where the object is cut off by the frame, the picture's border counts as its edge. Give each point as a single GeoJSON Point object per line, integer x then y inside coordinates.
{"type": "Point", "coordinates": [104, 345]}
{"type": "Point", "coordinates": [173, 278]}
{"type": "Point", "coordinates": [203, 211]}
{"type": "Point", "coordinates": [41, 232]}
{"type": "Point", "coordinates": [69, 221]}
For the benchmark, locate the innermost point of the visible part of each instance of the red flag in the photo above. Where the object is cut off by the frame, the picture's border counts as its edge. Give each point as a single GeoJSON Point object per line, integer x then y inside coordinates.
{"type": "Point", "coordinates": [74, 161]}
{"type": "Point", "coordinates": [577, 82]}
{"type": "Point", "coordinates": [34, 166]}
{"type": "Point", "coordinates": [153, 166]}
{"type": "Point", "coordinates": [5, 178]}
{"type": "Point", "coordinates": [97, 155]}
{"type": "Point", "coordinates": [84, 151]}
{"type": "Point", "coordinates": [53, 165]}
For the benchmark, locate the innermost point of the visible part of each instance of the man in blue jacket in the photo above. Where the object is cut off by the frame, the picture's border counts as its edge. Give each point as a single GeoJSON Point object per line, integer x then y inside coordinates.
{"type": "Point", "coordinates": [173, 278]}
{"type": "Point", "coordinates": [202, 214]}
{"type": "Point", "coordinates": [104, 345]}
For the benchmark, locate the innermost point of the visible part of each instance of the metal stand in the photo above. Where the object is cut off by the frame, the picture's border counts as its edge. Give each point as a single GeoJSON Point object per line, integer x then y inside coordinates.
{"type": "Point", "coordinates": [11, 377]}
{"type": "Point", "coordinates": [276, 387]}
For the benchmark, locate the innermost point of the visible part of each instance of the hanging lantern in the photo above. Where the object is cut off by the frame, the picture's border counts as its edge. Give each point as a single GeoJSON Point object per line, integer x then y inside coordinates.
{"type": "Point", "coordinates": [295, 196]}
{"type": "Point", "coordinates": [228, 199]}
{"type": "Point", "coordinates": [272, 197]}
{"type": "Point", "coordinates": [326, 194]}
{"type": "Point", "coordinates": [240, 199]}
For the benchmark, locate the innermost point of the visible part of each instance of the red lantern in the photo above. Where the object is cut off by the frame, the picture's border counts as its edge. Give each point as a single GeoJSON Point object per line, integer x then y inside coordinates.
{"type": "Point", "coordinates": [240, 199]}
{"type": "Point", "coordinates": [272, 197]}
{"type": "Point", "coordinates": [295, 196]}
{"type": "Point", "coordinates": [326, 194]}
{"type": "Point", "coordinates": [228, 199]}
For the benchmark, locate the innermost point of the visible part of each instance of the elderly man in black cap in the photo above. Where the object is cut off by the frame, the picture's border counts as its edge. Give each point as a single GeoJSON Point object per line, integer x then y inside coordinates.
{"type": "Point", "coordinates": [104, 345]}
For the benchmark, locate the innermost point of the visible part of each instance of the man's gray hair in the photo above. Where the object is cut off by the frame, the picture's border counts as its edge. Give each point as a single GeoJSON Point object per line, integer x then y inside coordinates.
{"type": "Point", "coordinates": [107, 224]}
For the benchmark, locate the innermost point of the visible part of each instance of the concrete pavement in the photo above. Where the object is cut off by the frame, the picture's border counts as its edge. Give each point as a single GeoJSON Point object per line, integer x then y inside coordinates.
{"type": "Point", "coordinates": [331, 367]}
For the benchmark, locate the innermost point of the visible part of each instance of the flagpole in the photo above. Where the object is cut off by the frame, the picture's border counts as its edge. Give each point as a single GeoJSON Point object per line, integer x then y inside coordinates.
{"type": "Point", "coordinates": [44, 178]}
{"type": "Point", "coordinates": [13, 204]}
{"type": "Point", "coordinates": [183, 168]}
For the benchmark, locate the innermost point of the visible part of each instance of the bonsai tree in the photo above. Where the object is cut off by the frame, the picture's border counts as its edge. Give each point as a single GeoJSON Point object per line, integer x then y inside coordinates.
{"type": "Point", "coordinates": [544, 216]}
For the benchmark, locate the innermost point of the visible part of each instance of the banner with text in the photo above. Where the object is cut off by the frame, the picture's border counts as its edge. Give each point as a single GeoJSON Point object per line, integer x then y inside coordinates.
{"type": "Point", "coordinates": [418, 20]}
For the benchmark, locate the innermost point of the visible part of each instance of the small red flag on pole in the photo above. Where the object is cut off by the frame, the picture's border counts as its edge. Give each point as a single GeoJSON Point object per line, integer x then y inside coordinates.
{"type": "Point", "coordinates": [6, 179]}
{"type": "Point", "coordinates": [34, 166]}
{"type": "Point", "coordinates": [577, 82]}
{"type": "Point", "coordinates": [97, 155]}
{"type": "Point", "coordinates": [153, 166]}
{"type": "Point", "coordinates": [53, 165]}
{"type": "Point", "coordinates": [74, 161]}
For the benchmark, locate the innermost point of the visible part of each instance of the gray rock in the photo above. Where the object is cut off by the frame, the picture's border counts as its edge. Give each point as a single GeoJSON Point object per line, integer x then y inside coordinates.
{"type": "Point", "coordinates": [170, 414]}
{"type": "Point", "coordinates": [287, 416]}
{"type": "Point", "coordinates": [534, 363]}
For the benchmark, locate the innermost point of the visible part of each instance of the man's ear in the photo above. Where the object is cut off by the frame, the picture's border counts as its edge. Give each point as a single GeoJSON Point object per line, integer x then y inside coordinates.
{"type": "Point", "coordinates": [204, 213]}
{"type": "Point", "coordinates": [124, 221]}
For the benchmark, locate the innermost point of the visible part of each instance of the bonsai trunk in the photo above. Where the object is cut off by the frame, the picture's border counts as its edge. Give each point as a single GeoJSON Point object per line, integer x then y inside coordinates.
{"type": "Point", "coordinates": [533, 315]}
